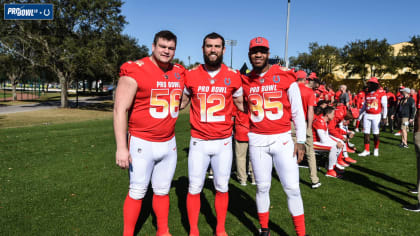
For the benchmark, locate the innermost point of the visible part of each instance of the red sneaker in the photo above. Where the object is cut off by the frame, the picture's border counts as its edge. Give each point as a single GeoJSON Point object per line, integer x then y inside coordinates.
{"type": "Point", "coordinates": [342, 163]}
{"type": "Point", "coordinates": [350, 160]}
{"type": "Point", "coordinates": [333, 174]}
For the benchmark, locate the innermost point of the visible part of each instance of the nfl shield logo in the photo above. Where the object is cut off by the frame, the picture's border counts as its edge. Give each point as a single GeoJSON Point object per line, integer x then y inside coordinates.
{"type": "Point", "coordinates": [212, 81]}
{"type": "Point", "coordinates": [262, 80]}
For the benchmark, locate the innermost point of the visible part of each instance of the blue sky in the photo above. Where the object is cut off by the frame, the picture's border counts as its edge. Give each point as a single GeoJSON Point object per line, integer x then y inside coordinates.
{"type": "Point", "coordinates": [333, 22]}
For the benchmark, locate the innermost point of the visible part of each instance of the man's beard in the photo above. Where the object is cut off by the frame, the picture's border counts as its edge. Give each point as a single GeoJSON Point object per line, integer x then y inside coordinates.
{"type": "Point", "coordinates": [215, 63]}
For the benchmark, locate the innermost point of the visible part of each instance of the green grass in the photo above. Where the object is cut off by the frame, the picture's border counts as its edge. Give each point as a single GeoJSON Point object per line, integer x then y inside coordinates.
{"type": "Point", "coordinates": [61, 179]}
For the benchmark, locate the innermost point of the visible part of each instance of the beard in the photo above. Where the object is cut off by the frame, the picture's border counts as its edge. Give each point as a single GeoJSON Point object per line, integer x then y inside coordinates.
{"type": "Point", "coordinates": [215, 63]}
{"type": "Point", "coordinates": [372, 87]}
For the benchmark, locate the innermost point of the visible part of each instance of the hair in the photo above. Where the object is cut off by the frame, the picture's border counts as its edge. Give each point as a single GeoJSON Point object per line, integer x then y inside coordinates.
{"type": "Point", "coordinates": [164, 34]}
{"type": "Point", "coordinates": [327, 110]}
{"type": "Point", "coordinates": [214, 36]}
{"type": "Point", "coordinates": [348, 115]}
{"type": "Point", "coordinates": [321, 102]}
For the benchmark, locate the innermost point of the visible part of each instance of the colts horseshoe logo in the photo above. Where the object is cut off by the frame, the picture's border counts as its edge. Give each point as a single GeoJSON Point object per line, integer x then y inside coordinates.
{"type": "Point", "coordinates": [276, 78]}
{"type": "Point", "coordinates": [227, 81]}
{"type": "Point", "coordinates": [177, 76]}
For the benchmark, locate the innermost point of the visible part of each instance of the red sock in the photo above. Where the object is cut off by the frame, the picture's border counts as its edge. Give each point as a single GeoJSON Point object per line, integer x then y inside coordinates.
{"type": "Point", "coordinates": [340, 156]}
{"type": "Point", "coordinates": [367, 147]}
{"type": "Point", "coordinates": [193, 210]}
{"type": "Point", "coordinates": [376, 144]}
{"type": "Point", "coordinates": [299, 222]}
{"type": "Point", "coordinates": [221, 202]}
{"type": "Point", "coordinates": [161, 209]}
{"type": "Point", "coordinates": [264, 217]}
{"type": "Point", "coordinates": [131, 210]}
{"type": "Point", "coordinates": [357, 124]}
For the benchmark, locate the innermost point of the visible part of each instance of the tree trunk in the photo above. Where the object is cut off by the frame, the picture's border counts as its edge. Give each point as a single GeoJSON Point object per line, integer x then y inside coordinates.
{"type": "Point", "coordinates": [13, 81]}
{"type": "Point", "coordinates": [64, 87]}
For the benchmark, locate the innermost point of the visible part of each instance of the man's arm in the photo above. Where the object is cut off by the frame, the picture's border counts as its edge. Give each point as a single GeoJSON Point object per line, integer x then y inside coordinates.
{"type": "Point", "coordinates": [239, 103]}
{"type": "Point", "coordinates": [298, 118]}
{"type": "Point", "coordinates": [185, 100]}
{"type": "Point", "coordinates": [126, 90]}
{"type": "Point", "coordinates": [310, 116]}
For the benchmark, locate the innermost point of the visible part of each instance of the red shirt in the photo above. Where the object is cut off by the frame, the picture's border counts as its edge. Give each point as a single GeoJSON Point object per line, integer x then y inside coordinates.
{"type": "Point", "coordinates": [241, 125]}
{"type": "Point", "coordinates": [269, 106]}
{"type": "Point", "coordinates": [318, 123]}
{"type": "Point", "coordinates": [373, 101]}
{"type": "Point", "coordinates": [156, 104]}
{"type": "Point", "coordinates": [308, 98]}
{"type": "Point", "coordinates": [360, 99]}
{"type": "Point", "coordinates": [211, 101]}
{"type": "Point", "coordinates": [391, 99]}
{"type": "Point", "coordinates": [334, 124]}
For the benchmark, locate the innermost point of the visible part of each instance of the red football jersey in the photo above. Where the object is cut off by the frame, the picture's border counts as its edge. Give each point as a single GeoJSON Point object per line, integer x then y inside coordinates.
{"type": "Point", "coordinates": [308, 98]}
{"type": "Point", "coordinates": [319, 123]}
{"type": "Point", "coordinates": [391, 99]}
{"type": "Point", "coordinates": [269, 105]}
{"type": "Point", "coordinates": [373, 101]}
{"type": "Point", "coordinates": [241, 125]}
{"type": "Point", "coordinates": [156, 105]}
{"type": "Point", "coordinates": [333, 125]}
{"type": "Point", "coordinates": [418, 99]}
{"type": "Point", "coordinates": [360, 99]}
{"type": "Point", "coordinates": [211, 101]}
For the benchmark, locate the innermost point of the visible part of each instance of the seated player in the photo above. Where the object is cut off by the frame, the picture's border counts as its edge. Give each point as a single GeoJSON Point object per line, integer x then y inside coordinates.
{"type": "Point", "coordinates": [324, 142]}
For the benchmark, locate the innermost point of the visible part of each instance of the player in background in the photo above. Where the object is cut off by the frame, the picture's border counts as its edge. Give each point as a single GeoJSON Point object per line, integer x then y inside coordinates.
{"type": "Point", "coordinates": [274, 101]}
{"type": "Point", "coordinates": [213, 89]}
{"type": "Point", "coordinates": [149, 90]}
{"type": "Point", "coordinates": [324, 142]}
{"type": "Point", "coordinates": [375, 107]}
{"type": "Point", "coordinates": [308, 103]}
{"type": "Point", "coordinates": [241, 127]}
{"type": "Point", "coordinates": [359, 104]}
{"type": "Point", "coordinates": [392, 103]}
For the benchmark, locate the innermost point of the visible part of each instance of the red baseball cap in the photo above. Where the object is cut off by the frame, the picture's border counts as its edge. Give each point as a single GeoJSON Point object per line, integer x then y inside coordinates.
{"type": "Point", "coordinates": [373, 80]}
{"type": "Point", "coordinates": [258, 42]}
{"type": "Point", "coordinates": [300, 74]}
{"type": "Point", "coordinates": [312, 75]}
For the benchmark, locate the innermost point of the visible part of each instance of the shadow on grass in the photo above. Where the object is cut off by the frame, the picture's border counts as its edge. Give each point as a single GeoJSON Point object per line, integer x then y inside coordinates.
{"type": "Point", "coordinates": [96, 106]}
{"type": "Point", "coordinates": [146, 211]}
{"type": "Point", "coordinates": [364, 181]}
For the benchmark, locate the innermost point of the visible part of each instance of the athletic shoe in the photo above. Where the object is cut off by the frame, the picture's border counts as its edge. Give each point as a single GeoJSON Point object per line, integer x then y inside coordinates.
{"type": "Point", "coordinates": [210, 176]}
{"type": "Point", "coordinates": [413, 191]}
{"type": "Point", "coordinates": [221, 234]}
{"type": "Point", "coordinates": [405, 146]}
{"type": "Point", "coordinates": [398, 133]}
{"type": "Point", "coordinates": [333, 174]}
{"type": "Point", "coordinates": [413, 208]}
{"type": "Point", "coordinates": [317, 185]}
{"type": "Point", "coordinates": [350, 160]}
{"type": "Point", "coordinates": [338, 166]}
{"type": "Point", "coordinates": [338, 170]}
{"type": "Point", "coordinates": [364, 153]}
{"type": "Point", "coordinates": [243, 183]}
{"type": "Point", "coordinates": [253, 182]}
{"type": "Point", "coordinates": [264, 232]}
{"type": "Point", "coordinates": [342, 163]}
{"type": "Point", "coordinates": [357, 130]}
{"type": "Point", "coordinates": [350, 150]}
{"type": "Point", "coordinates": [351, 145]}
{"type": "Point", "coordinates": [376, 152]}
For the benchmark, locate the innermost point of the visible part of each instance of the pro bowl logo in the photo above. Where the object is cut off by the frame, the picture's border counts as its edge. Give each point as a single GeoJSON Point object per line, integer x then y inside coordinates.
{"type": "Point", "coordinates": [227, 81]}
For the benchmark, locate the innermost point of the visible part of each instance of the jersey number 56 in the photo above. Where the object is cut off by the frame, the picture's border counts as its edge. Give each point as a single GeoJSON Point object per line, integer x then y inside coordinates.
{"type": "Point", "coordinates": [160, 107]}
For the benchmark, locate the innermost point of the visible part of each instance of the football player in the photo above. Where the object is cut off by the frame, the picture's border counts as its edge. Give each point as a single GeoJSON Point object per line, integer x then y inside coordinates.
{"type": "Point", "coordinates": [375, 106]}
{"type": "Point", "coordinates": [149, 91]}
{"type": "Point", "coordinates": [213, 89]}
{"type": "Point", "coordinates": [274, 101]}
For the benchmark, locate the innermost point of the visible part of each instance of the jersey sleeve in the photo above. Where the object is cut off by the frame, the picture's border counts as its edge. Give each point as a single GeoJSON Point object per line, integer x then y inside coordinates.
{"type": "Point", "coordinates": [131, 69]}
{"type": "Point", "coordinates": [298, 116]}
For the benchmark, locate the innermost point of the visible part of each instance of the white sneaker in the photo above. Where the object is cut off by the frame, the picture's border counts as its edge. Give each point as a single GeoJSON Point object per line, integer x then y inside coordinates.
{"type": "Point", "coordinates": [376, 152]}
{"type": "Point", "coordinates": [340, 167]}
{"type": "Point", "coordinates": [364, 153]}
{"type": "Point", "coordinates": [356, 130]}
{"type": "Point", "coordinates": [350, 144]}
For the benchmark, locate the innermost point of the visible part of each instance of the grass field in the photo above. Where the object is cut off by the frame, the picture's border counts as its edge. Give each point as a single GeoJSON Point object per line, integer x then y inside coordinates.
{"type": "Point", "coordinates": [61, 179]}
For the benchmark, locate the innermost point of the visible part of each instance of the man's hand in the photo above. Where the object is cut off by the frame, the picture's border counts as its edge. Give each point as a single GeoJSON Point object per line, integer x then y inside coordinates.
{"type": "Point", "coordinates": [123, 158]}
{"type": "Point", "coordinates": [299, 151]}
{"type": "Point", "coordinates": [339, 145]}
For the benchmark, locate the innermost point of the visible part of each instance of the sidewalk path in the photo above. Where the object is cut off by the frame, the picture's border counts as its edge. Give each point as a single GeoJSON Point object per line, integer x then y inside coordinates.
{"type": "Point", "coordinates": [50, 105]}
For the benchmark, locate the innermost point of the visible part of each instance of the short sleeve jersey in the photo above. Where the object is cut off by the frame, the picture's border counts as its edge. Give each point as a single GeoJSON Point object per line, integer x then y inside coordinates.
{"type": "Point", "coordinates": [155, 108]}
{"type": "Point", "coordinates": [212, 101]}
{"type": "Point", "coordinates": [319, 123]}
{"type": "Point", "coordinates": [308, 98]}
{"type": "Point", "coordinates": [268, 102]}
{"type": "Point", "coordinates": [373, 101]}
{"type": "Point", "coordinates": [360, 99]}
